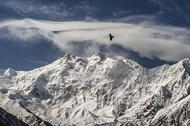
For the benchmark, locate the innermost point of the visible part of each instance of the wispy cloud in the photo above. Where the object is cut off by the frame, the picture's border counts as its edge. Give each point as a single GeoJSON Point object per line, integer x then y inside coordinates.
{"type": "Point", "coordinates": [50, 10]}
{"type": "Point", "coordinates": [150, 40]}
{"type": "Point", "coordinates": [38, 9]}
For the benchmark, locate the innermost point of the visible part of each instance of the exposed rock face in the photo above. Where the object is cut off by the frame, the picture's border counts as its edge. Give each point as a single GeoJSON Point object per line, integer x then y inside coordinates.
{"type": "Point", "coordinates": [7, 119]}
{"type": "Point", "coordinates": [100, 90]}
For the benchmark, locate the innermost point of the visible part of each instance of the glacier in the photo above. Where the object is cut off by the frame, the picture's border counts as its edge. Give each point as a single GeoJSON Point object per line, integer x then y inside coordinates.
{"type": "Point", "coordinates": [100, 90]}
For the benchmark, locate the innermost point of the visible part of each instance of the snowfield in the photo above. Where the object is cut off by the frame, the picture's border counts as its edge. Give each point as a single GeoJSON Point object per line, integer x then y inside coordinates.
{"type": "Point", "coordinates": [100, 90]}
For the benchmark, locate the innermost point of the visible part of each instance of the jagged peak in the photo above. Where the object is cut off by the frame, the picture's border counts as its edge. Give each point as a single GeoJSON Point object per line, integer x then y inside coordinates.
{"type": "Point", "coordinates": [101, 57]}
{"type": "Point", "coordinates": [186, 60]}
{"type": "Point", "coordinates": [186, 65]}
{"type": "Point", "coordinates": [96, 58]}
{"type": "Point", "coordinates": [69, 56]}
{"type": "Point", "coordinates": [10, 72]}
{"type": "Point", "coordinates": [82, 88]}
{"type": "Point", "coordinates": [182, 64]}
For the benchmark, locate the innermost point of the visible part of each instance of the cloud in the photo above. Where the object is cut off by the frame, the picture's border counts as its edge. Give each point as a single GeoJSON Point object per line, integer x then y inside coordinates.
{"type": "Point", "coordinates": [150, 40]}
{"type": "Point", "coordinates": [38, 9]}
{"type": "Point", "coordinates": [49, 10]}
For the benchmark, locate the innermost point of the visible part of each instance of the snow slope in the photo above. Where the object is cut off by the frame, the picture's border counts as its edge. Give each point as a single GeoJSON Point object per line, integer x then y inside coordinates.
{"type": "Point", "coordinates": [99, 90]}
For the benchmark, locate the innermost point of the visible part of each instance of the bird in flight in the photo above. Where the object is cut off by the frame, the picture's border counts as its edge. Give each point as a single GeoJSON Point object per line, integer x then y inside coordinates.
{"type": "Point", "coordinates": [111, 37]}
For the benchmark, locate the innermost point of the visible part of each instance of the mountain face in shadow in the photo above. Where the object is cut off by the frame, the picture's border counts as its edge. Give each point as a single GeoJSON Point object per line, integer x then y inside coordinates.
{"type": "Point", "coordinates": [7, 119]}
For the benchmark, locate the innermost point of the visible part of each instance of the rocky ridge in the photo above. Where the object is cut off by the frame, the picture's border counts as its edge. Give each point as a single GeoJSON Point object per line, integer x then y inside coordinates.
{"type": "Point", "coordinates": [99, 90]}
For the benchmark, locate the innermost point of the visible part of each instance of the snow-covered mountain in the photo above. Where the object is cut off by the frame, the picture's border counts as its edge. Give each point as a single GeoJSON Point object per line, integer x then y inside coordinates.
{"type": "Point", "coordinates": [102, 90]}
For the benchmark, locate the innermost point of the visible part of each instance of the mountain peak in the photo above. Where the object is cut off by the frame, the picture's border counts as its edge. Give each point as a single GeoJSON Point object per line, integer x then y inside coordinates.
{"type": "Point", "coordinates": [186, 65]}
{"type": "Point", "coordinates": [10, 72]}
{"type": "Point", "coordinates": [100, 89]}
{"type": "Point", "coordinates": [183, 65]}
{"type": "Point", "coordinates": [69, 56]}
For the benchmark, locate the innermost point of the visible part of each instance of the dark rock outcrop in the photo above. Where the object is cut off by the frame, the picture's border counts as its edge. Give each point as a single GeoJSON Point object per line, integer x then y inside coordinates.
{"type": "Point", "coordinates": [7, 119]}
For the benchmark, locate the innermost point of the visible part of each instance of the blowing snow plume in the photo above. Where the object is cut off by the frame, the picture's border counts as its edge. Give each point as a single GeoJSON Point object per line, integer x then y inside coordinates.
{"type": "Point", "coordinates": [149, 40]}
